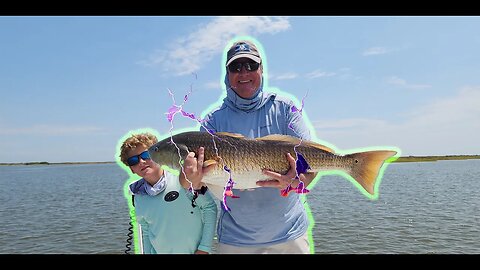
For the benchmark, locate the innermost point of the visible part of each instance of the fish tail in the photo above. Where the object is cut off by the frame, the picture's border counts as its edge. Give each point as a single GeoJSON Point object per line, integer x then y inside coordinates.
{"type": "Point", "coordinates": [366, 167]}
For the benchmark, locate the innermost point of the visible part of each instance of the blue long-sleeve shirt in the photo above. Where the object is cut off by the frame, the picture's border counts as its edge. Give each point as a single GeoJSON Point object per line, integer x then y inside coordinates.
{"type": "Point", "coordinates": [169, 223]}
{"type": "Point", "coordinates": [261, 216]}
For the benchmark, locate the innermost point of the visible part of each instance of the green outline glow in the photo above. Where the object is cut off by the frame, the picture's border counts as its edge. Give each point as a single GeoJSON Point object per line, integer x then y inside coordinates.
{"type": "Point", "coordinates": [308, 123]}
{"type": "Point", "coordinates": [133, 177]}
{"type": "Point", "coordinates": [219, 102]}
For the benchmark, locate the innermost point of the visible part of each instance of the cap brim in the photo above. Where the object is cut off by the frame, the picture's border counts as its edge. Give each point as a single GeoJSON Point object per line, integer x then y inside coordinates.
{"type": "Point", "coordinates": [244, 55]}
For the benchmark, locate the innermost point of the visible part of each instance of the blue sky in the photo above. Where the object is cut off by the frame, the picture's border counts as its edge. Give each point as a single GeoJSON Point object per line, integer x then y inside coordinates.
{"type": "Point", "coordinates": [71, 87]}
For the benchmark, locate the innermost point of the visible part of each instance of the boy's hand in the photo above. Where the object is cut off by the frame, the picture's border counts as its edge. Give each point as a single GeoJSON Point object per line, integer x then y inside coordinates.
{"type": "Point", "coordinates": [193, 169]}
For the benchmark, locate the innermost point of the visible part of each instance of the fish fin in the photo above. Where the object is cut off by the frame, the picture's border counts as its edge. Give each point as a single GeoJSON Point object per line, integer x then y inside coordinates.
{"type": "Point", "coordinates": [310, 174]}
{"type": "Point", "coordinates": [366, 167]}
{"type": "Point", "coordinates": [279, 137]}
{"type": "Point", "coordinates": [209, 162]}
{"type": "Point", "coordinates": [294, 140]}
{"type": "Point", "coordinates": [301, 164]}
{"type": "Point", "coordinates": [300, 189]}
{"type": "Point", "coordinates": [233, 135]}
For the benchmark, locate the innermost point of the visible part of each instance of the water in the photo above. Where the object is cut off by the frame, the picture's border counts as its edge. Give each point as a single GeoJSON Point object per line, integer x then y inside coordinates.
{"type": "Point", "coordinates": [63, 209]}
{"type": "Point", "coordinates": [428, 207]}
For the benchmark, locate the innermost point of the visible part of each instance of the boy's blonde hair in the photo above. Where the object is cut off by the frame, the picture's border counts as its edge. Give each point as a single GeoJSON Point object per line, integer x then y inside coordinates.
{"type": "Point", "coordinates": [134, 141]}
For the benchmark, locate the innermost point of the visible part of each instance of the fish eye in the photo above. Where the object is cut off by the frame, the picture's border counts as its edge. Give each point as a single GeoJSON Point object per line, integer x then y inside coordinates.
{"type": "Point", "coordinates": [155, 148]}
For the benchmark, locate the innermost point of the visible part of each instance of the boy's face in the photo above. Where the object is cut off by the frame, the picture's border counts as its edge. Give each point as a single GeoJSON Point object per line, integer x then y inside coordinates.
{"type": "Point", "coordinates": [144, 167]}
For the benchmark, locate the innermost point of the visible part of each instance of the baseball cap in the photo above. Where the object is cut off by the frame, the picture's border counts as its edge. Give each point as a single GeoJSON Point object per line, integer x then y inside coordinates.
{"type": "Point", "coordinates": [242, 49]}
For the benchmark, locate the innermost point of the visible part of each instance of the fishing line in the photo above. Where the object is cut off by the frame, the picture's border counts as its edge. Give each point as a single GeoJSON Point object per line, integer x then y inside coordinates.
{"type": "Point", "coordinates": [172, 111]}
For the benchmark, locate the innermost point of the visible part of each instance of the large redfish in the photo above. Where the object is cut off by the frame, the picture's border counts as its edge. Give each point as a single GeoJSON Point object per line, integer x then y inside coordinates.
{"type": "Point", "coordinates": [246, 158]}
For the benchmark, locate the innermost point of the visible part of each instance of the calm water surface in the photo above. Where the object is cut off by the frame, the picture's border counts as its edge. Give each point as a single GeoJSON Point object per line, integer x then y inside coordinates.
{"type": "Point", "coordinates": [428, 207]}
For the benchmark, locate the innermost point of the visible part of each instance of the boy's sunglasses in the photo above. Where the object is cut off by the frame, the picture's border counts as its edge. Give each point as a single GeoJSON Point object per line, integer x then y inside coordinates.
{"type": "Point", "coordinates": [131, 161]}
{"type": "Point", "coordinates": [236, 67]}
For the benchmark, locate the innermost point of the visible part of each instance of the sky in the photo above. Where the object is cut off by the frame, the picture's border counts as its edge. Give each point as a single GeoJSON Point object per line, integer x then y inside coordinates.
{"type": "Point", "coordinates": [72, 87]}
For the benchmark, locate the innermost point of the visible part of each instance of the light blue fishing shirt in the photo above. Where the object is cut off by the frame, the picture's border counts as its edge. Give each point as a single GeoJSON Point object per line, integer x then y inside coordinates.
{"type": "Point", "coordinates": [168, 221]}
{"type": "Point", "coordinates": [260, 217]}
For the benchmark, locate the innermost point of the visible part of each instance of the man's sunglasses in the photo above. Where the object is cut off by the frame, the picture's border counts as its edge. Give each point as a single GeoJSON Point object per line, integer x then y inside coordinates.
{"type": "Point", "coordinates": [131, 161]}
{"type": "Point", "coordinates": [236, 67]}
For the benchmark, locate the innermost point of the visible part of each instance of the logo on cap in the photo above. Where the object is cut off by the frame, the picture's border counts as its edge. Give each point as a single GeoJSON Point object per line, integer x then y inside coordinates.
{"type": "Point", "coordinates": [242, 47]}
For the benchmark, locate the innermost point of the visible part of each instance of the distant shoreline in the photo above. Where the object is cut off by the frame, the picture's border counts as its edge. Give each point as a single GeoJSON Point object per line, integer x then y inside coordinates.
{"type": "Point", "coordinates": [435, 158]}
{"type": "Point", "coordinates": [55, 163]}
{"type": "Point", "coordinates": [400, 159]}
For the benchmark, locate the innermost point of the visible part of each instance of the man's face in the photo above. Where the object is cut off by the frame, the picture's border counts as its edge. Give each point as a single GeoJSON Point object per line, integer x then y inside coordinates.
{"type": "Point", "coordinates": [245, 77]}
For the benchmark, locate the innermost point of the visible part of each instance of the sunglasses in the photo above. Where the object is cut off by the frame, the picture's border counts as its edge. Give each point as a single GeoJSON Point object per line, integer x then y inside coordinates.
{"type": "Point", "coordinates": [236, 67]}
{"type": "Point", "coordinates": [131, 161]}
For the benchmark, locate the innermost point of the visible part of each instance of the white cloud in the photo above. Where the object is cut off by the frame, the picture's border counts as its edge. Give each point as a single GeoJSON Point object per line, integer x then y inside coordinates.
{"type": "Point", "coordinates": [348, 123]}
{"type": "Point", "coordinates": [403, 83]}
{"type": "Point", "coordinates": [186, 55]}
{"type": "Point", "coordinates": [444, 126]}
{"type": "Point", "coordinates": [319, 73]}
{"type": "Point", "coordinates": [284, 76]}
{"type": "Point", "coordinates": [216, 85]}
{"type": "Point", "coordinates": [376, 51]}
{"type": "Point", "coordinates": [463, 109]}
{"type": "Point", "coordinates": [292, 75]}
{"type": "Point", "coordinates": [50, 130]}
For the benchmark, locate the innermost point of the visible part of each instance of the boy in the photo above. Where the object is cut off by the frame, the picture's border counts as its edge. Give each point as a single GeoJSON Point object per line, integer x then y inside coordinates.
{"type": "Point", "coordinates": [171, 218]}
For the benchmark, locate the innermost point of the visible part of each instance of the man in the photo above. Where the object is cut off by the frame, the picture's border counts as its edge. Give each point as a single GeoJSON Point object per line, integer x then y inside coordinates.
{"type": "Point", "coordinates": [260, 220]}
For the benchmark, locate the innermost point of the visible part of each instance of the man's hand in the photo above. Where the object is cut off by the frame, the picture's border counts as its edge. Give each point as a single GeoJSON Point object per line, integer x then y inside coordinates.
{"type": "Point", "coordinates": [283, 181]}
